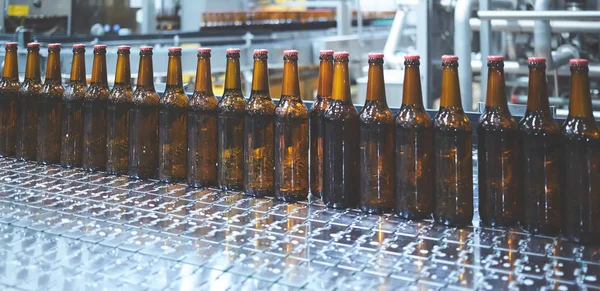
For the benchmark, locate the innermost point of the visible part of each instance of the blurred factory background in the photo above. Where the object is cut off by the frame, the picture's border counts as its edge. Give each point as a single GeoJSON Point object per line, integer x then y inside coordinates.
{"type": "Point", "coordinates": [472, 29]}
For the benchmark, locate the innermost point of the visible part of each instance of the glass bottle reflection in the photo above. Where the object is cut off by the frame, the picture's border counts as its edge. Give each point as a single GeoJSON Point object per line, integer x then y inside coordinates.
{"type": "Point", "coordinates": [72, 111]}
{"type": "Point", "coordinates": [48, 135]}
{"type": "Point", "coordinates": [27, 105]}
{"type": "Point", "coordinates": [9, 88]}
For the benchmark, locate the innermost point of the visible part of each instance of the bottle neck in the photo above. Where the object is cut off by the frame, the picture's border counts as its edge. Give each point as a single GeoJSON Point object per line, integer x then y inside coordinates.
{"type": "Point", "coordinates": [376, 83]}
{"type": "Point", "coordinates": [174, 78]}
{"type": "Point", "coordinates": [260, 76]}
{"type": "Point", "coordinates": [411, 91]}
{"type": "Point", "coordinates": [32, 68]}
{"type": "Point", "coordinates": [203, 75]}
{"type": "Point", "coordinates": [450, 86]}
{"type": "Point", "coordinates": [580, 104]}
{"type": "Point", "coordinates": [233, 80]}
{"type": "Point", "coordinates": [340, 90]}
{"type": "Point", "coordinates": [325, 78]}
{"type": "Point", "coordinates": [78, 67]}
{"type": "Point", "coordinates": [11, 69]}
{"type": "Point", "coordinates": [146, 72]}
{"type": "Point", "coordinates": [291, 85]}
{"type": "Point", "coordinates": [99, 69]}
{"type": "Point", "coordinates": [496, 87]}
{"type": "Point", "coordinates": [537, 99]}
{"type": "Point", "coordinates": [123, 73]}
{"type": "Point", "coordinates": [53, 68]}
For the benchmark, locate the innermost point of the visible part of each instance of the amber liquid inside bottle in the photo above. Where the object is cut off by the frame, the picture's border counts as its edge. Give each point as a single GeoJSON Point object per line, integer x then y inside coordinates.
{"type": "Point", "coordinates": [48, 137]}
{"type": "Point", "coordinates": [291, 137]}
{"type": "Point", "coordinates": [143, 123]}
{"type": "Point", "coordinates": [72, 113]}
{"type": "Point", "coordinates": [498, 154]}
{"type": "Point", "coordinates": [316, 124]}
{"type": "Point", "coordinates": [452, 154]}
{"type": "Point", "coordinates": [540, 163]}
{"type": "Point", "coordinates": [341, 143]}
{"type": "Point", "coordinates": [414, 150]}
{"type": "Point", "coordinates": [9, 88]}
{"type": "Point", "coordinates": [377, 146]}
{"type": "Point", "coordinates": [581, 142]}
{"type": "Point", "coordinates": [230, 125]}
{"type": "Point", "coordinates": [258, 123]}
{"type": "Point", "coordinates": [172, 125]}
{"type": "Point", "coordinates": [117, 117]}
{"type": "Point", "coordinates": [27, 107]}
{"type": "Point", "coordinates": [202, 129]}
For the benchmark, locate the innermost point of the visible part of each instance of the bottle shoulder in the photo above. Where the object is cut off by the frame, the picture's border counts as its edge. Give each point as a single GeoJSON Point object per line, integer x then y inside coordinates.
{"type": "Point", "coordinates": [144, 97]}
{"type": "Point", "coordinates": [260, 105]}
{"type": "Point", "coordinates": [120, 94]}
{"type": "Point", "coordinates": [28, 87]}
{"type": "Point", "coordinates": [580, 128]}
{"type": "Point", "coordinates": [202, 101]}
{"type": "Point", "coordinates": [537, 122]}
{"type": "Point", "coordinates": [451, 119]}
{"type": "Point", "coordinates": [9, 85]}
{"type": "Point", "coordinates": [74, 92]}
{"type": "Point", "coordinates": [232, 101]}
{"type": "Point", "coordinates": [174, 98]}
{"type": "Point", "coordinates": [497, 119]}
{"type": "Point", "coordinates": [291, 109]}
{"type": "Point", "coordinates": [50, 89]}
{"type": "Point", "coordinates": [319, 106]}
{"type": "Point", "coordinates": [340, 110]}
{"type": "Point", "coordinates": [376, 113]}
{"type": "Point", "coordinates": [97, 92]}
{"type": "Point", "coordinates": [410, 116]}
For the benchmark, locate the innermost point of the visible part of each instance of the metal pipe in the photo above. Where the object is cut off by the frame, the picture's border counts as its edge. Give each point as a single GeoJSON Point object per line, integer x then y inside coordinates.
{"type": "Point", "coordinates": [485, 41]}
{"type": "Point", "coordinates": [553, 100]}
{"type": "Point", "coordinates": [557, 26]}
{"type": "Point", "coordinates": [392, 42]}
{"type": "Point", "coordinates": [541, 35]}
{"type": "Point", "coordinates": [462, 49]}
{"type": "Point", "coordinates": [511, 67]}
{"type": "Point", "coordinates": [538, 15]}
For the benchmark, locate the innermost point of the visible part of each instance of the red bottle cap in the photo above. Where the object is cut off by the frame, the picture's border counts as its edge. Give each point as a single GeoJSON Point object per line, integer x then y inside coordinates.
{"type": "Point", "coordinates": [375, 56]}
{"type": "Point", "coordinates": [54, 45]}
{"type": "Point", "coordinates": [261, 51]}
{"type": "Point", "coordinates": [495, 59]}
{"type": "Point", "coordinates": [79, 46]}
{"type": "Point", "coordinates": [123, 48]}
{"type": "Point", "coordinates": [412, 57]}
{"type": "Point", "coordinates": [99, 46]}
{"type": "Point", "coordinates": [536, 60]}
{"type": "Point", "coordinates": [449, 58]}
{"type": "Point", "coordinates": [233, 51]}
{"type": "Point", "coordinates": [174, 49]}
{"type": "Point", "coordinates": [341, 54]}
{"type": "Point", "coordinates": [326, 52]}
{"type": "Point", "coordinates": [290, 53]}
{"type": "Point", "coordinates": [33, 44]}
{"type": "Point", "coordinates": [204, 50]}
{"type": "Point", "coordinates": [146, 48]}
{"type": "Point", "coordinates": [579, 62]}
{"type": "Point", "coordinates": [11, 44]}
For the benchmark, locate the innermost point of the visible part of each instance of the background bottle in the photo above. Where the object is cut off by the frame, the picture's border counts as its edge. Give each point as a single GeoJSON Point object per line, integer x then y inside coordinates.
{"type": "Point", "coordinates": [452, 153]}
{"type": "Point", "coordinates": [316, 122]}
{"type": "Point", "coordinates": [581, 141]}
{"type": "Point", "coordinates": [72, 111]}
{"type": "Point", "coordinates": [414, 148]}
{"type": "Point", "coordinates": [117, 116]}
{"type": "Point", "coordinates": [258, 128]}
{"type": "Point", "coordinates": [291, 136]}
{"type": "Point", "coordinates": [340, 148]}
{"type": "Point", "coordinates": [48, 137]}
{"type": "Point", "coordinates": [27, 105]}
{"type": "Point", "coordinates": [230, 127]}
{"type": "Point", "coordinates": [377, 144]}
{"type": "Point", "coordinates": [172, 123]}
{"type": "Point", "coordinates": [9, 88]}
{"type": "Point", "coordinates": [540, 145]}
{"type": "Point", "coordinates": [497, 142]}
{"type": "Point", "coordinates": [143, 121]}
{"type": "Point", "coordinates": [202, 127]}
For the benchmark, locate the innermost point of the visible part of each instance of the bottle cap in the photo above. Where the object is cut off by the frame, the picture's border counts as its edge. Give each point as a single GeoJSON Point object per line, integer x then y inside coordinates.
{"type": "Point", "coordinates": [261, 52]}
{"type": "Point", "coordinates": [54, 45]}
{"type": "Point", "coordinates": [449, 58]}
{"type": "Point", "coordinates": [341, 54]}
{"type": "Point", "coordinates": [99, 46]}
{"type": "Point", "coordinates": [174, 49]}
{"type": "Point", "coordinates": [33, 44]}
{"type": "Point", "coordinates": [123, 48]}
{"type": "Point", "coordinates": [412, 57]}
{"type": "Point", "coordinates": [578, 62]}
{"type": "Point", "coordinates": [204, 50]}
{"type": "Point", "coordinates": [11, 44]}
{"type": "Point", "coordinates": [146, 48]}
{"type": "Point", "coordinates": [375, 56]}
{"type": "Point", "coordinates": [290, 53]}
{"type": "Point", "coordinates": [233, 51]}
{"type": "Point", "coordinates": [536, 60]}
{"type": "Point", "coordinates": [79, 46]}
{"type": "Point", "coordinates": [326, 52]}
{"type": "Point", "coordinates": [495, 59]}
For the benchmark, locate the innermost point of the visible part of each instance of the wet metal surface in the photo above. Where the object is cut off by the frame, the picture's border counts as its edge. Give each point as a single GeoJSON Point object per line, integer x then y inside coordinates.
{"type": "Point", "coordinates": [70, 230]}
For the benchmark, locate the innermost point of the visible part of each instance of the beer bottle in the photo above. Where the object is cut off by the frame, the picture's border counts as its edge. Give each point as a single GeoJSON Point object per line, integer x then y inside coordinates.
{"type": "Point", "coordinates": [143, 121]}
{"type": "Point", "coordinates": [414, 148]}
{"type": "Point", "coordinates": [452, 153]}
{"type": "Point", "coordinates": [377, 147]}
{"type": "Point", "coordinates": [117, 116]}
{"type": "Point", "coordinates": [341, 143]}
{"type": "Point", "coordinates": [316, 122]}
{"type": "Point", "coordinates": [202, 127]}
{"type": "Point", "coordinates": [258, 124]}
{"type": "Point", "coordinates": [539, 143]}
{"type": "Point", "coordinates": [48, 137]}
{"type": "Point", "coordinates": [9, 87]}
{"type": "Point", "coordinates": [27, 105]}
{"type": "Point", "coordinates": [94, 114]}
{"type": "Point", "coordinates": [230, 126]}
{"type": "Point", "coordinates": [72, 111]}
{"type": "Point", "coordinates": [497, 142]}
{"type": "Point", "coordinates": [581, 141]}
{"type": "Point", "coordinates": [172, 123]}
{"type": "Point", "coordinates": [291, 136]}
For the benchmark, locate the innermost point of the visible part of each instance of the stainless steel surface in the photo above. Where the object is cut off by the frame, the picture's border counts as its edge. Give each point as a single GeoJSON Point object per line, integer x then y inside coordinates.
{"type": "Point", "coordinates": [539, 15]}
{"type": "Point", "coordinates": [71, 230]}
{"type": "Point", "coordinates": [528, 25]}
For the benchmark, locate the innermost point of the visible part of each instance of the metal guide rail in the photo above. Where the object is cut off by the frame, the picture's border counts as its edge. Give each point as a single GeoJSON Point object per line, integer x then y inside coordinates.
{"type": "Point", "coordinates": [70, 230]}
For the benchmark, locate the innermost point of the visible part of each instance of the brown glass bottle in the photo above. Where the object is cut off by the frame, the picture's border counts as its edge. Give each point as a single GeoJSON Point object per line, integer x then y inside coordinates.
{"type": "Point", "coordinates": [71, 131]}
{"type": "Point", "coordinates": [316, 122]}
{"type": "Point", "coordinates": [27, 105]}
{"type": "Point", "coordinates": [9, 88]}
{"type": "Point", "coordinates": [452, 153]}
{"type": "Point", "coordinates": [341, 143]}
{"type": "Point", "coordinates": [291, 136]}
{"type": "Point", "coordinates": [143, 121]}
{"type": "Point", "coordinates": [117, 116]}
{"type": "Point", "coordinates": [377, 144]}
{"type": "Point", "coordinates": [539, 137]}
{"type": "Point", "coordinates": [202, 127]}
{"type": "Point", "coordinates": [497, 151]}
{"type": "Point", "coordinates": [230, 127]}
{"type": "Point", "coordinates": [172, 123]}
{"type": "Point", "coordinates": [48, 137]}
{"type": "Point", "coordinates": [414, 148]}
{"type": "Point", "coordinates": [258, 128]}
{"type": "Point", "coordinates": [581, 142]}
{"type": "Point", "coordinates": [94, 114]}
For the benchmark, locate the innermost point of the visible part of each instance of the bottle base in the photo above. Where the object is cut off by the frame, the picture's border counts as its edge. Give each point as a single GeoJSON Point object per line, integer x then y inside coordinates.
{"type": "Point", "coordinates": [170, 179]}
{"type": "Point", "coordinates": [498, 223]}
{"type": "Point", "coordinates": [231, 187]}
{"type": "Point", "coordinates": [453, 222]}
{"type": "Point", "coordinates": [376, 209]}
{"type": "Point", "coordinates": [542, 230]}
{"type": "Point", "coordinates": [258, 193]}
{"type": "Point", "coordinates": [583, 238]}
{"type": "Point", "coordinates": [292, 196]}
{"type": "Point", "coordinates": [201, 184]}
{"type": "Point", "coordinates": [414, 216]}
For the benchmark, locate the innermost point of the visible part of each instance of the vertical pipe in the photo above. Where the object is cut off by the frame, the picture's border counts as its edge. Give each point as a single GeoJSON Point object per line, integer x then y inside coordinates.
{"type": "Point", "coordinates": [485, 42]}
{"type": "Point", "coordinates": [462, 49]}
{"type": "Point", "coordinates": [541, 35]}
{"type": "Point", "coordinates": [343, 18]}
{"type": "Point", "coordinates": [423, 35]}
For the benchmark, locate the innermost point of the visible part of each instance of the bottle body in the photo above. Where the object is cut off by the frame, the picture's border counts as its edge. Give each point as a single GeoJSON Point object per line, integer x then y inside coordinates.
{"type": "Point", "coordinates": [143, 134]}
{"type": "Point", "coordinates": [230, 130]}
{"type": "Point", "coordinates": [94, 127]}
{"type": "Point", "coordinates": [48, 137]}
{"type": "Point", "coordinates": [317, 132]}
{"type": "Point", "coordinates": [202, 140]}
{"type": "Point", "coordinates": [72, 125]}
{"type": "Point", "coordinates": [258, 149]}
{"type": "Point", "coordinates": [27, 119]}
{"type": "Point", "coordinates": [172, 144]}
{"type": "Point", "coordinates": [9, 88]}
{"type": "Point", "coordinates": [117, 130]}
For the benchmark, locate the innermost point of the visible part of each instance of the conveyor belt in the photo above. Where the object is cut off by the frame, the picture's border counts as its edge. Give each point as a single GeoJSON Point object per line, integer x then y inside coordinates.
{"type": "Point", "coordinates": [71, 230]}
